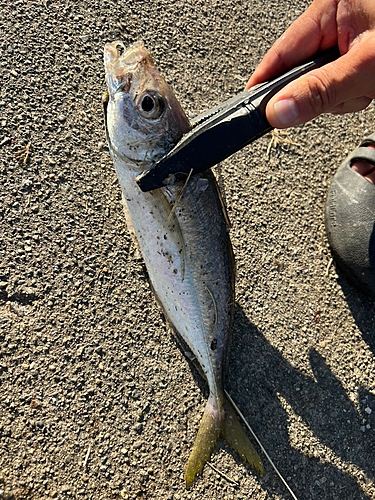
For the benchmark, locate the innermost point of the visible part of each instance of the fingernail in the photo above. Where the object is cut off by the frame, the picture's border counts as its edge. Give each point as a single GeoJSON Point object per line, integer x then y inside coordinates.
{"type": "Point", "coordinates": [286, 111]}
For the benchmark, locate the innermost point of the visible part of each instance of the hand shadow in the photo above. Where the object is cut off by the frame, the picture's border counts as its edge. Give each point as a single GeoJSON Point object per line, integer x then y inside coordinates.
{"type": "Point", "coordinates": [257, 374]}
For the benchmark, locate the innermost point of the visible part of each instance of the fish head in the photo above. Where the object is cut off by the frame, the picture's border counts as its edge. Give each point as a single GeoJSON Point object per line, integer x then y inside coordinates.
{"type": "Point", "coordinates": [144, 120]}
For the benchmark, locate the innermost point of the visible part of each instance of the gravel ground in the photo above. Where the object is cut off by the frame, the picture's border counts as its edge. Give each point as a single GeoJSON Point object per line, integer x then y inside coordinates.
{"type": "Point", "coordinates": [96, 399]}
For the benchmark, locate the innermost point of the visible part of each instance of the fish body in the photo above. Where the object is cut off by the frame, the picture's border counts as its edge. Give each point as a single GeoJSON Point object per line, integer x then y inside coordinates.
{"type": "Point", "coordinates": [181, 232]}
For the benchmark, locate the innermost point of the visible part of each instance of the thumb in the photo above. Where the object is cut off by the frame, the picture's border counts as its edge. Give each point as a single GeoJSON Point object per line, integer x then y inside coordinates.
{"type": "Point", "coordinates": [338, 87]}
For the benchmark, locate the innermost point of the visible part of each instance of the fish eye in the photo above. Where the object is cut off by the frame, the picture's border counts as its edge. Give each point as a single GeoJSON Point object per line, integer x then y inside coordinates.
{"type": "Point", "coordinates": [150, 105]}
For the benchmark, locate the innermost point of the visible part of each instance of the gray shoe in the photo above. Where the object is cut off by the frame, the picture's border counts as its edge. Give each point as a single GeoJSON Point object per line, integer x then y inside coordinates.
{"type": "Point", "coordinates": [350, 219]}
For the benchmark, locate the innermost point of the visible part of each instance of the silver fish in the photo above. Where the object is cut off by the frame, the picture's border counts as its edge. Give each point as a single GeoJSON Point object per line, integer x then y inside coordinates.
{"type": "Point", "coordinates": [182, 235]}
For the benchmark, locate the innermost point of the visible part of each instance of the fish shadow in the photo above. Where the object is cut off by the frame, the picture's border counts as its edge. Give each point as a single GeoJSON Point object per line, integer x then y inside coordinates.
{"type": "Point", "coordinates": [264, 384]}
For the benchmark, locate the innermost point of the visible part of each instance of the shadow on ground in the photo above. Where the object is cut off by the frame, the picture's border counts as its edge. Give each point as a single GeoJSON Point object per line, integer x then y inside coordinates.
{"type": "Point", "coordinates": [258, 376]}
{"type": "Point", "coordinates": [362, 309]}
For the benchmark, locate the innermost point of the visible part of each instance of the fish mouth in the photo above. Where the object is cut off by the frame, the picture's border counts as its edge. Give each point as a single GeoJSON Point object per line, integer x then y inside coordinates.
{"type": "Point", "coordinates": [120, 63]}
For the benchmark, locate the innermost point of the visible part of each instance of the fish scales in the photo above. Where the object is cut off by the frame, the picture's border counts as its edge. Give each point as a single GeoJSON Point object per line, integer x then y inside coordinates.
{"type": "Point", "coordinates": [181, 233]}
{"type": "Point", "coordinates": [192, 278]}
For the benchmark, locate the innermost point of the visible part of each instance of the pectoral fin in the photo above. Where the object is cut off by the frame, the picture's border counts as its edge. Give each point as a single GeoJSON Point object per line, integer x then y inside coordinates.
{"type": "Point", "coordinates": [168, 218]}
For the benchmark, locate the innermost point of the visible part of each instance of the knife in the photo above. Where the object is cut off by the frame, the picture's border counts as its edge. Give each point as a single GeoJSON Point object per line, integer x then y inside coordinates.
{"type": "Point", "coordinates": [221, 131]}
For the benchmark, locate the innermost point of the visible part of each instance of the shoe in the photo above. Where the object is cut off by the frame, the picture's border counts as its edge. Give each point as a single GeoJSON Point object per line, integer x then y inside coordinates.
{"type": "Point", "coordinates": [350, 219]}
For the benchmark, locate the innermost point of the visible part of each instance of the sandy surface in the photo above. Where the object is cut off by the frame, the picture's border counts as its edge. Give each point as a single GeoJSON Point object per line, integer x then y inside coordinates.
{"type": "Point", "coordinates": [96, 400]}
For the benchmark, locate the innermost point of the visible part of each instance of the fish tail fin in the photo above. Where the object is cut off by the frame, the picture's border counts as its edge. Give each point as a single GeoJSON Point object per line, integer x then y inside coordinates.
{"type": "Point", "coordinates": [236, 437]}
{"type": "Point", "coordinates": [219, 421]}
{"type": "Point", "coordinates": [208, 433]}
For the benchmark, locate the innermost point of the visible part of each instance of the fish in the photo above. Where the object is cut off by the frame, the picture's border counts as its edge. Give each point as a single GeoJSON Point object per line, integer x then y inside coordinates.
{"type": "Point", "coordinates": [182, 233]}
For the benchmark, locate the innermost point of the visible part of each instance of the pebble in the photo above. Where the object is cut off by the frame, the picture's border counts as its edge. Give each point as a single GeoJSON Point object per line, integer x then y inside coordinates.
{"type": "Point", "coordinates": [138, 427]}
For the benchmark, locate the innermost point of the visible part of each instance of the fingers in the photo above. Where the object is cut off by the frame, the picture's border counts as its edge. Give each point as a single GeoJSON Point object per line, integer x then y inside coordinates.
{"type": "Point", "coordinates": [314, 30]}
{"type": "Point", "coordinates": [339, 87]}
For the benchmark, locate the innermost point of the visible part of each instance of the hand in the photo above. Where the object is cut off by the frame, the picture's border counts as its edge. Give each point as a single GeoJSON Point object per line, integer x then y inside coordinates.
{"type": "Point", "coordinates": [343, 86]}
